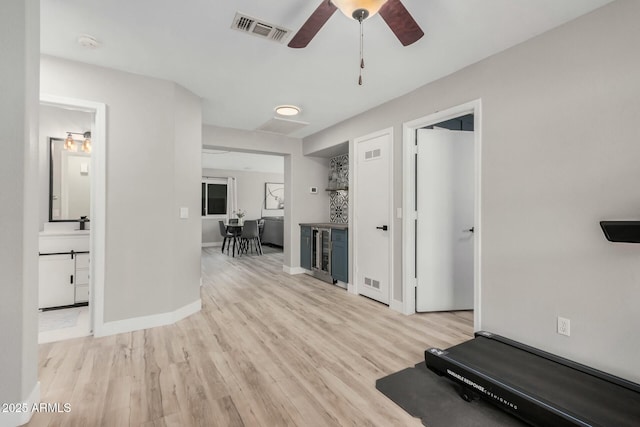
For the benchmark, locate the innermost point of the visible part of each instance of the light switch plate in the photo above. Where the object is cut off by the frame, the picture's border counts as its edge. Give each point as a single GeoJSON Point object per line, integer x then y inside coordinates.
{"type": "Point", "coordinates": [184, 213]}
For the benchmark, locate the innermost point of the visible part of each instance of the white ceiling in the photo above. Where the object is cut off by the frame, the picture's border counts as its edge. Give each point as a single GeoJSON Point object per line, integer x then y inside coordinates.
{"type": "Point", "coordinates": [249, 162]}
{"type": "Point", "coordinates": [241, 78]}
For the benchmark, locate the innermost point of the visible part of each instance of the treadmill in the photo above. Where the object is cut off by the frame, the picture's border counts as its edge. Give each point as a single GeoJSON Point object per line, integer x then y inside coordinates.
{"type": "Point", "coordinates": [538, 387]}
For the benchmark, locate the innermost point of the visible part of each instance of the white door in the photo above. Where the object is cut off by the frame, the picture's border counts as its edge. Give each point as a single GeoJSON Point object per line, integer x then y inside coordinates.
{"type": "Point", "coordinates": [445, 205]}
{"type": "Point", "coordinates": [372, 217]}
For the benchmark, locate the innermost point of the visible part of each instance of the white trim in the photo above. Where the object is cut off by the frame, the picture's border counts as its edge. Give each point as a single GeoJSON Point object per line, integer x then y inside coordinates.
{"type": "Point", "coordinates": [98, 198]}
{"type": "Point", "coordinates": [212, 244]}
{"type": "Point", "coordinates": [353, 200]}
{"type": "Point", "coordinates": [409, 210]}
{"type": "Point", "coordinates": [341, 284]}
{"type": "Point", "coordinates": [397, 306]}
{"type": "Point", "coordinates": [293, 270]}
{"type": "Point", "coordinates": [152, 321]}
{"type": "Point", "coordinates": [216, 217]}
{"type": "Point", "coordinates": [11, 419]}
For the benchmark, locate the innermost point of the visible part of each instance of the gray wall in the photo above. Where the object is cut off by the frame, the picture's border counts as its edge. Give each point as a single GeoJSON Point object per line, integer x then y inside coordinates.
{"type": "Point", "coordinates": [300, 173]}
{"type": "Point", "coordinates": [152, 169]}
{"type": "Point", "coordinates": [19, 44]}
{"type": "Point", "coordinates": [250, 193]}
{"type": "Point", "coordinates": [54, 123]}
{"type": "Point", "coordinates": [187, 158]}
{"type": "Point", "coordinates": [560, 153]}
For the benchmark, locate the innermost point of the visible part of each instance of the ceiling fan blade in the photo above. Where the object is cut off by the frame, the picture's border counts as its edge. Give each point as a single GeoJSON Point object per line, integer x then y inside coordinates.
{"type": "Point", "coordinates": [313, 24]}
{"type": "Point", "coordinates": [401, 22]}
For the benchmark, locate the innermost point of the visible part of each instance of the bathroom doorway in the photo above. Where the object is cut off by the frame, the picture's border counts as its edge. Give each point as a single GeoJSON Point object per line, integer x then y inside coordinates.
{"type": "Point", "coordinates": [71, 239]}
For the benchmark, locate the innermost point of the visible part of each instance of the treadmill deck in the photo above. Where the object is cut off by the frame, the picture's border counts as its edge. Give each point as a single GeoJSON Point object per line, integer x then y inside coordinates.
{"type": "Point", "coordinates": [505, 372]}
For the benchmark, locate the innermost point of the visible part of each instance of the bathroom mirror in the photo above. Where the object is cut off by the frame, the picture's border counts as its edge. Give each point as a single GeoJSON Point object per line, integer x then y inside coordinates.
{"type": "Point", "coordinates": [69, 182]}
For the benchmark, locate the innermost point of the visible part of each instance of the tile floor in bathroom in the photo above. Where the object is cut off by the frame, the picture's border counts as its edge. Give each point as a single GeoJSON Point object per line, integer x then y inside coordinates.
{"type": "Point", "coordinates": [63, 324]}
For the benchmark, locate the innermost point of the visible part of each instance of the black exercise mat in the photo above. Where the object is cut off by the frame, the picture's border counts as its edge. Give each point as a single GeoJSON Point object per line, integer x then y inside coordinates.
{"type": "Point", "coordinates": [435, 400]}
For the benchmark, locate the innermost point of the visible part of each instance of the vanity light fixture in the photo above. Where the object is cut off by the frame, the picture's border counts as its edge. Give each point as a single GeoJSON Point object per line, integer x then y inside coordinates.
{"type": "Point", "coordinates": [287, 110]}
{"type": "Point", "coordinates": [86, 144]}
{"type": "Point", "coordinates": [71, 145]}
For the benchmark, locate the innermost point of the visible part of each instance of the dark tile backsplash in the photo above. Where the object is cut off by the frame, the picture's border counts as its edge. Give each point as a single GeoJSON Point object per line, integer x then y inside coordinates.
{"type": "Point", "coordinates": [339, 200]}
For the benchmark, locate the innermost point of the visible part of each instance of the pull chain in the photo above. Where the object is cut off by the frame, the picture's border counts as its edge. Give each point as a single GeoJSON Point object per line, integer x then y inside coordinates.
{"type": "Point", "coordinates": [361, 19]}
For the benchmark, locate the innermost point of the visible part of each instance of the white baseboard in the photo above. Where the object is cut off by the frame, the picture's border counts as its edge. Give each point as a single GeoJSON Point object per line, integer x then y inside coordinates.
{"type": "Point", "coordinates": [15, 418]}
{"type": "Point", "coordinates": [146, 322]}
{"type": "Point", "coordinates": [342, 284]}
{"type": "Point", "coordinates": [351, 288]}
{"type": "Point", "coordinates": [293, 270]}
{"type": "Point", "coordinates": [397, 306]}
{"type": "Point", "coordinates": [212, 245]}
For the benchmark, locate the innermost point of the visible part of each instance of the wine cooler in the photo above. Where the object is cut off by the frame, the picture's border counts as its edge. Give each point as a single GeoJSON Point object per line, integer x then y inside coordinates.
{"type": "Point", "coordinates": [321, 253]}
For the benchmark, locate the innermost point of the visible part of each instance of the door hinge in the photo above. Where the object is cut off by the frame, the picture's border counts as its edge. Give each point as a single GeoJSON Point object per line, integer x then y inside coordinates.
{"type": "Point", "coordinates": [71, 279]}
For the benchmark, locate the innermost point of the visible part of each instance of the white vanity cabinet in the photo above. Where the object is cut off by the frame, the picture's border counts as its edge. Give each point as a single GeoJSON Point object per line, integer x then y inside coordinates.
{"type": "Point", "coordinates": [57, 280]}
{"type": "Point", "coordinates": [64, 269]}
{"type": "Point", "coordinates": [82, 278]}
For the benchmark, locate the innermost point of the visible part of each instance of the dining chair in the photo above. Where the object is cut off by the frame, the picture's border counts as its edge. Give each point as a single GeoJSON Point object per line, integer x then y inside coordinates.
{"type": "Point", "coordinates": [224, 232]}
{"type": "Point", "coordinates": [250, 236]}
{"type": "Point", "coordinates": [260, 228]}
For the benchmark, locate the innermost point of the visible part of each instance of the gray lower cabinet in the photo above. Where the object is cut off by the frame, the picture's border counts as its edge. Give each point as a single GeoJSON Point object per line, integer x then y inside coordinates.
{"type": "Point", "coordinates": [340, 255]}
{"type": "Point", "coordinates": [339, 251]}
{"type": "Point", "coordinates": [305, 247]}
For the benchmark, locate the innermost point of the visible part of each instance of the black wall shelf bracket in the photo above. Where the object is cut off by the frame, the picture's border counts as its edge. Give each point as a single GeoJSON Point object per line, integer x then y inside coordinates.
{"type": "Point", "coordinates": [621, 231]}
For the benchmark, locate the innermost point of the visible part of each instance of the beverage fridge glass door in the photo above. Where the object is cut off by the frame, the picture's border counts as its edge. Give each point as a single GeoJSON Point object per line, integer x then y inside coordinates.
{"type": "Point", "coordinates": [321, 253]}
{"type": "Point", "coordinates": [325, 262]}
{"type": "Point", "coordinates": [315, 238]}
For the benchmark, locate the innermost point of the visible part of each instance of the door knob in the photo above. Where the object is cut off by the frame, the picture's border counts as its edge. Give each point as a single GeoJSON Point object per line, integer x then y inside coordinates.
{"type": "Point", "coordinates": [384, 228]}
{"type": "Point", "coordinates": [470, 230]}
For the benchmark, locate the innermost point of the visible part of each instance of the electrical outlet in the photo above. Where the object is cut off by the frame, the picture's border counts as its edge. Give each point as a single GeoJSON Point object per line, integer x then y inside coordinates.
{"type": "Point", "coordinates": [564, 326]}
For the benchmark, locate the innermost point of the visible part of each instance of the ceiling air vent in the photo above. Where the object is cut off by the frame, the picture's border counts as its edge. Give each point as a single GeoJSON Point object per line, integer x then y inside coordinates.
{"type": "Point", "coordinates": [259, 28]}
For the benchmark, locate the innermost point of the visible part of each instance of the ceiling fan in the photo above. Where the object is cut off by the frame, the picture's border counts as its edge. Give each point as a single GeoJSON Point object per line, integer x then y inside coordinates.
{"type": "Point", "coordinates": [392, 12]}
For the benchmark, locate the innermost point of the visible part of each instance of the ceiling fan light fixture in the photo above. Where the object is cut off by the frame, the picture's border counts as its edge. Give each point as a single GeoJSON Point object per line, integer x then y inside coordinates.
{"type": "Point", "coordinates": [287, 110]}
{"type": "Point", "coordinates": [354, 8]}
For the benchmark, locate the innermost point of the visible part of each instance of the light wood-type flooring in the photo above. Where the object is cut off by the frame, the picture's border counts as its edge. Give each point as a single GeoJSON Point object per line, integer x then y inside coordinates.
{"type": "Point", "coordinates": [267, 349]}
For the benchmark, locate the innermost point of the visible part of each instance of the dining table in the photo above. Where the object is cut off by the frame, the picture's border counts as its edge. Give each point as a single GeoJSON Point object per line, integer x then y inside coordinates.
{"type": "Point", "coordinates": [235, 228]}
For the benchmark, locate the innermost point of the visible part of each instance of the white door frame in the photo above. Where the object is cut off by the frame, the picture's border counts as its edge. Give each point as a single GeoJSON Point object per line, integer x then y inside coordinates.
{"type": "Point", "coordinates": [409, 208]}
{"type": "Point", "coordinates": [97, 239]}
{"type": "Point", "coordinates": [353, 285]}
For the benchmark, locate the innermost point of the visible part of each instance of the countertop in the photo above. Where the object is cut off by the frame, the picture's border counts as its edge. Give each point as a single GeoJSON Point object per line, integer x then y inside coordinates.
{"type": "Point", "coordinates": [62, 233]}
{"type": "Point", "coordinates": [325, 225]}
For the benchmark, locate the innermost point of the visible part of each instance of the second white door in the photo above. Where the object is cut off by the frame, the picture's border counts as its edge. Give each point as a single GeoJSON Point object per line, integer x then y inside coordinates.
{"type": "Point", "coordinates": [444, 229]}
{"type": "Point", "coordinates": [372, 216]}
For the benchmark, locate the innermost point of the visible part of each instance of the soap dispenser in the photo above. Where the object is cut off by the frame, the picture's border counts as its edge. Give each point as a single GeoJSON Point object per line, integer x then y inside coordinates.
{"type": "Point", "coordinates": [83, 220]}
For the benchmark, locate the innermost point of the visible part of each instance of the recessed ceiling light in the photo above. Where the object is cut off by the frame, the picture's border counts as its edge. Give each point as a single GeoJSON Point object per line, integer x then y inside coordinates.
{"type": "Point", "coordinates": [288, 110]}
{"type": "Point", "coordinates": [88, 41]}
